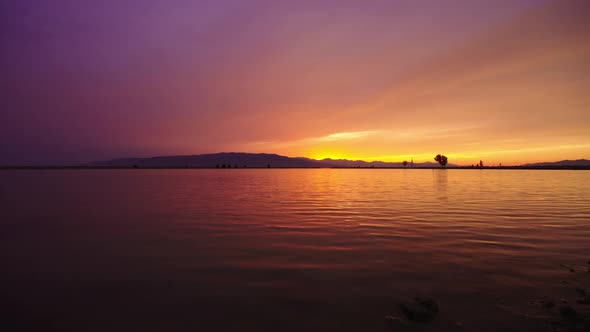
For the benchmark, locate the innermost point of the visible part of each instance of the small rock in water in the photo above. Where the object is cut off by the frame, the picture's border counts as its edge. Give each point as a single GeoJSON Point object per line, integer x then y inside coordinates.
{"type": "Point", "coordinates": [428, 303]}
{"type": "Point", "coordinates": [569, 268]}
{"type": "Point", "coordinates": [547, 303]}
{"type": "Point", "coordinates": [556, 325]}
{"type": "Point", "coordinates": [422, 309]}
{"type": "Point", "coordinates": [584, 300]}
{"type": "Point", "coordinates": [394, 322]}
{"type": "Point", "coordinates": [568, 312]}
{"type": "Point", "coordinates": [416, 312]}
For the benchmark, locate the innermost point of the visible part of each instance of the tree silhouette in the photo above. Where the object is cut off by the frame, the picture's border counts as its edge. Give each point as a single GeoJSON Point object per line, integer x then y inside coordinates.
{"type": "Point", "coordinates": [441, 159]}
{"type": "Point", "coordinates": [405, 163]}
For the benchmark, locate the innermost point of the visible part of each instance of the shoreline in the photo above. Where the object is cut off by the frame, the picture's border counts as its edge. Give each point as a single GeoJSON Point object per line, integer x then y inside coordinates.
{"type": "Point", "coordinates": [577, 168]}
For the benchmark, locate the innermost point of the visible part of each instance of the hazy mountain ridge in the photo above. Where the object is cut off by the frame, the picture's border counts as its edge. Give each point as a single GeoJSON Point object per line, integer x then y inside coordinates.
{"type": "Point", "coordinates": [567, 162]}
{"type": "Point", "coordinates": [231, 159]}
{"type": "Point", "coordinates": [241, 160]}
{"type": "Point", "coordinates": [362, 163]}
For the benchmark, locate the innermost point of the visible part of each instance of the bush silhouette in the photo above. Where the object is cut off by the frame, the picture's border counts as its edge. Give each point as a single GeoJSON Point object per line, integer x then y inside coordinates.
{"type": "Point", "coordinates": [441, 159]}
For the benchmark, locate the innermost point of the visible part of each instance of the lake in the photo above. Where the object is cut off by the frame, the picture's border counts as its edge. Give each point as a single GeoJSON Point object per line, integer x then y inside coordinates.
{"type": "Point", "coordinates": [289, 249]}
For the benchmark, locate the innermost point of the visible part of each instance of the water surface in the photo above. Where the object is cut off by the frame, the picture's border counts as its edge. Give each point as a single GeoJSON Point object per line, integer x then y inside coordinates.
{"type": "Point", "coordinates": [282, 249]}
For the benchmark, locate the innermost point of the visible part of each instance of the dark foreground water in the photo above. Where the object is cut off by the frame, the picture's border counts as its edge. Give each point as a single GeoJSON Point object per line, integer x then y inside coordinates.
{"type": "Point", "coordinates": [287, 250]}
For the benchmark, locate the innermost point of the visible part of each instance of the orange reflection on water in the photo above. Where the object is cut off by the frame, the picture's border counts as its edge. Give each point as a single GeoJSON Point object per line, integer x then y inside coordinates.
{"type": "Point", "coordinates": [257, 240]}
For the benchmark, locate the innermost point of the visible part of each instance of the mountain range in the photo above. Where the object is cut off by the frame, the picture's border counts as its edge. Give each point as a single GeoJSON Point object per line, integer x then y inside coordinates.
{"type": "Point", "coordinates": [562, 163]}
{"type": "Point", "coordinates": [241, 160]}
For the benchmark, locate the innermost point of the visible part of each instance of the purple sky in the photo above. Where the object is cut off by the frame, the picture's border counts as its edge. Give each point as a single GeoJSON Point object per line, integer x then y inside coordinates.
{"type": "Point", "coordinates": [89, 80]}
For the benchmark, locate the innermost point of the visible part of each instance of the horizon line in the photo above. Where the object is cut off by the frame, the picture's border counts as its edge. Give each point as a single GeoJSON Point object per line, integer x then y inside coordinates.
{"type": "Point", "coordinates": [451, 165]}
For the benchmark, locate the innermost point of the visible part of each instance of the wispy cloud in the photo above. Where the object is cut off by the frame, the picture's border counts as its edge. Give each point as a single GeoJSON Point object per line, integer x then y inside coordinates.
{"type": "Point", "coordinates": [345, 136]}
{"type": "Point", "coordinates": [311, 141]}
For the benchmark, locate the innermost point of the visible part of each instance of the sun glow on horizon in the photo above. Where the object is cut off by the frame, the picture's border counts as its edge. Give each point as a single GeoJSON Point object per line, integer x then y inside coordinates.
{"type": "Point", "coordinates": [347, 149]}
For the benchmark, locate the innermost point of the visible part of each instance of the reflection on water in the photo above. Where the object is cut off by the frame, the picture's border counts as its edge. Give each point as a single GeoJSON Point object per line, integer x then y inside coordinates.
{"type": "Point", "coordinates": [441, 182]}
{"type": "Point", "coordinates": [247, 249]}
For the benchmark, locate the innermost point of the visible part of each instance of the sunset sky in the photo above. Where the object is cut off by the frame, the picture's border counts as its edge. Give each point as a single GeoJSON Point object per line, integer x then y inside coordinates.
{"type": "Point", "coordinates": [506, 81]}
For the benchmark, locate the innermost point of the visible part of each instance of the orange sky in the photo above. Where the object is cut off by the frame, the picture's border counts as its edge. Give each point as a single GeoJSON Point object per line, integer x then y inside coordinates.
{"type": "Point", "coordinates": [505, 81]}
{"type": "Point", "coordinates": [514, 93]}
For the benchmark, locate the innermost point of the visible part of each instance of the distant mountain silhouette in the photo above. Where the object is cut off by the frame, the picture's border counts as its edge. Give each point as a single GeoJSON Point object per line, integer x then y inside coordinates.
{"type": "Point", "coordinates": [362, 163]}
{"type": "Point", "coordinates": [578, 162]}
{"type": "Point", "coordinates": [241, 160]}
{"type": "Point", "coordinates": [226, 160]}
